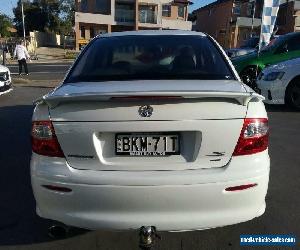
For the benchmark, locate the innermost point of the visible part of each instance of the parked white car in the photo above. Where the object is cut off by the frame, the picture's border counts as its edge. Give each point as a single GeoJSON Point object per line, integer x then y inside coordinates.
{"type": "Point", "coordinates": [5, 78]}
{"type": "Point", "coordinates": [150, 128]}
{"type": "Point", "coordinates": [280, 83]}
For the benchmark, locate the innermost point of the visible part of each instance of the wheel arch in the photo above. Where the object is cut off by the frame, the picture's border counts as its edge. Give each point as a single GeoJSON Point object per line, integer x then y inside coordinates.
{"type": "Point", "coordinates": [292, 81]}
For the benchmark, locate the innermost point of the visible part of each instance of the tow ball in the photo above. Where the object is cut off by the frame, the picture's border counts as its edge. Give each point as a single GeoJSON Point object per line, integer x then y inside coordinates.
{"type": "Point", "coordinates": [148, 235]}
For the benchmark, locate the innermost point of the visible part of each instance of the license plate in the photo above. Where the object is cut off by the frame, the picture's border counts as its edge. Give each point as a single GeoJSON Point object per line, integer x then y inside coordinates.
{"type": "Point", "coordinates": [147, 144]}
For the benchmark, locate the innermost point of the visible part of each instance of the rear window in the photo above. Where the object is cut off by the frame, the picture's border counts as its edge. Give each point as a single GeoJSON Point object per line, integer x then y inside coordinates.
{"type": "Point", "coordinates": [150, 57]}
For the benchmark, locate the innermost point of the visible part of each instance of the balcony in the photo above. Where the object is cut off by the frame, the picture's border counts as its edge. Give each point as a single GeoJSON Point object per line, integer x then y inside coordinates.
{"type": "Point", "coordinates": [124, 15]}
{"type": "Point", "coordinates": [297, 21]}
{"type": "Point", "coordinates": [93, 18]}
{"type": "Point", "coordinates": [147, 16]}
{"type": "Point", "coordinates": [297, 5]}
{"type": "Point", "coordinates": [176, 24]}
{"type": "Point", "coordinates": [247, 22]}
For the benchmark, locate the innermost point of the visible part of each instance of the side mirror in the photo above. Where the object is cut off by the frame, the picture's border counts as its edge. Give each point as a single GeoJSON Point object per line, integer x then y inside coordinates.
{"type": "Point", "coordinates": [285, 49]}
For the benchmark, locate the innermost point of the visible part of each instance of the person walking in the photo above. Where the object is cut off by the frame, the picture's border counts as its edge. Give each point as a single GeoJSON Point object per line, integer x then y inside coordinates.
{"type": "Point", "coordinates": [22, 54]}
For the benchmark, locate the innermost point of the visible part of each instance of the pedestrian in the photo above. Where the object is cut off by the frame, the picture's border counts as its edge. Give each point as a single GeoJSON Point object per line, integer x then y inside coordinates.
{"type": "Point", "coordinates": [22, 54]}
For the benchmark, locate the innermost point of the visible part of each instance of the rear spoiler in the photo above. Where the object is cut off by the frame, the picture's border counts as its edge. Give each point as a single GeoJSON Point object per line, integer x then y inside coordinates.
{"type": "Point", "coordinates": [53, 100]}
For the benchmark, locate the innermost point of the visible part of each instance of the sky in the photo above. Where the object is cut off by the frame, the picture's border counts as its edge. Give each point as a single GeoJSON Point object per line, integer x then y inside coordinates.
{"type": "Point", "coordinates": [198, 3]}
{"type": "Point", "coordinates": [6, 6]}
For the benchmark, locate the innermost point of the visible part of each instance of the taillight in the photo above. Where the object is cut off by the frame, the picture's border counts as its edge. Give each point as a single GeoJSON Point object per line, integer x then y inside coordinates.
{"type": "Point", "coordinates": [44, 140]}
{"type": "Point", "coordinates": [254, 137]}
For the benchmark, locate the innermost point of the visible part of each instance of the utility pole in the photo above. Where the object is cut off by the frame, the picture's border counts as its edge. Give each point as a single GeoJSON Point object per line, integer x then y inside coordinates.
{"type": "Point", "coordinates": [228, 26]}
{"type": "Point", "coordinates": [253, 16]}
{"type": "Point", "coordinates": [23, 21]}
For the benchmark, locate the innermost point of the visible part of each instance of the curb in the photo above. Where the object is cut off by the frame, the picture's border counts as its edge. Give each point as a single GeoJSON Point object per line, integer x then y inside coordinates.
{"type": "Point", "coordinates": [18, 80]}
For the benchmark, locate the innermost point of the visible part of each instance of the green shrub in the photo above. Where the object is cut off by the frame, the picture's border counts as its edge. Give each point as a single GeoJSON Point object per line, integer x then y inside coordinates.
{"type": "Point", "coordinates": [71, 54]}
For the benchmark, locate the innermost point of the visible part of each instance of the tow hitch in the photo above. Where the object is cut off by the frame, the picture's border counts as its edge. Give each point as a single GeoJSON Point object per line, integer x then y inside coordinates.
{"type": "Point", "coordinates": [148, 235]}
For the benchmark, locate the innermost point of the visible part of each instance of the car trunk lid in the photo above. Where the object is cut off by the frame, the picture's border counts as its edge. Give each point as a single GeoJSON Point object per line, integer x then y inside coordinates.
{"type": "Point", "coordinates": [206, 115]}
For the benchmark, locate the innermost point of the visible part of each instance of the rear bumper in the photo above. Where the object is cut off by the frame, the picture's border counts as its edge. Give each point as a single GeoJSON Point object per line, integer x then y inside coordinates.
{"type": "Point", "coordinates": [170, 206]}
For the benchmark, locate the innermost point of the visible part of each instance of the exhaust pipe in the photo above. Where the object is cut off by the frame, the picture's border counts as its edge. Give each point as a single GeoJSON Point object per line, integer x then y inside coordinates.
{"type": "Point", "coordinates": [58, 231]}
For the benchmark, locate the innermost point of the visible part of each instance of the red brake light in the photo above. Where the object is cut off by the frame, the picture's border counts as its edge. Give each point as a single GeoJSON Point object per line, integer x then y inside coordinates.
{"type": "Point", "coordinates": [254, 137]}
{"type": "Point", "coordinates": [241, 187]}
{"type": "Point", "coordinates": [44, 140]}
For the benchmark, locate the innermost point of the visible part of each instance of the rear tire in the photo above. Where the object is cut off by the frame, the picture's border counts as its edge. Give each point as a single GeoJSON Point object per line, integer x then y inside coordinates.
{"type": "Point", "coordinates": [292, 95]}
{"type": "Point", "coordinates": [249, 76]}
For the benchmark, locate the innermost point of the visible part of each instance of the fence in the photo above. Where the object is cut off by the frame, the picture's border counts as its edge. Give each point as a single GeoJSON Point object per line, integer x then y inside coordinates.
{"type": "Point", "coordinates": [9, 44]}
{"type": "Point", "coordinates": [45, 39]}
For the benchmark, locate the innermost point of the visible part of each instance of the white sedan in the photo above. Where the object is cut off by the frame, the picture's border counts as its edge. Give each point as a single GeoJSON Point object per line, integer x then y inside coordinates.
{"type": "Point", "coordinates": [5, 79]}
{"type": "Point", "coordinates": [280, 83]}
{"type": "Point", "coordinates": [150, 128]}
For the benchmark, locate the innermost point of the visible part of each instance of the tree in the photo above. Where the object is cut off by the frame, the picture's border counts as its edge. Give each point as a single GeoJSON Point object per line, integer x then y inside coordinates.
{"type": "Point", "coordinates": [40, 15]}
{"type": "Point", "coordinates": [50, 9]}
{"type": "Point", "coordinates": [18, 15]}
{"type": "Point", "coordinates": [67, 22]}
{"type": "Point", "coordinates": [5, 24]}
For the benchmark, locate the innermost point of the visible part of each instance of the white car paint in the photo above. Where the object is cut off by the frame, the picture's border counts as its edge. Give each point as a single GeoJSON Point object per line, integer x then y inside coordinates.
{"type": "Point", "coordinates": [5, 82]}
{"type": "Point", "coordinates": [175, 193]}
{"type": "Point", "coordinates": [277, 88]}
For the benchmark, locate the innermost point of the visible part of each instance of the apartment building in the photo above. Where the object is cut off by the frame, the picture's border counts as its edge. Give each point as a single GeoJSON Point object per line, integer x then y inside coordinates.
{"type": "Point", "coordinates": [288, 19]}
{"type": "Point", "coordinates": [93, 17]}
{"type": "Point", "coordinates": [229, 22]}
{"type": "Point", "coordinates": [232, 22]}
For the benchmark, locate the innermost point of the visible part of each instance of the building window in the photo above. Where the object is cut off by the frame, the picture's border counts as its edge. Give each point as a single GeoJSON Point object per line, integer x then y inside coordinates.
{"type": "Point", "coordinates": [92, 32]}
{"type": "Point", "coordinates": [181, 11]}
{"type": "Point", "coordinates": [82, 32]}
{"type": "Point", "coordinates": [250, 9]}
{"type": "Point", "coordinates": [209, 12]}
{"type": "Point", "coordinates": [125, 12]}
{"type": "Point", "coordinates": [237, 8]}
{"type": "Point", "coordinates": [102, 6]}
{"type": "Point", "coordinates": [147, 13]}
{"type": "Point", "coordinates": [166, 10]}
{"type": "Point", "coordinates": [84, 6]}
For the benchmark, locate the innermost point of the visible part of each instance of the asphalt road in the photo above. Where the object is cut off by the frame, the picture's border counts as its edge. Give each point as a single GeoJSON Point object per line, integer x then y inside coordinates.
{"type": "Point", "coordinates": [42, 71]}
{"type": "Point", "coordinates": [19, 225]}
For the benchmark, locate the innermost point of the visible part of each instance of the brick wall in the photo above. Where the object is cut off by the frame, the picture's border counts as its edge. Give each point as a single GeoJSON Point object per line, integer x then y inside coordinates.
{"type": "Point", "coordinates": [285, 18]}
{"type": "Point", "coordinates": [215, 20]}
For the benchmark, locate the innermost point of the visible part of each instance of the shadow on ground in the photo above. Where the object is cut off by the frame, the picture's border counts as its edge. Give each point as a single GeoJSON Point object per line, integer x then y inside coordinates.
{"type": "Point", "coordinates": [19, 223]}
